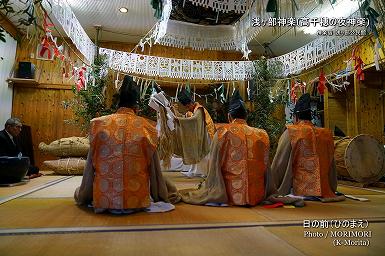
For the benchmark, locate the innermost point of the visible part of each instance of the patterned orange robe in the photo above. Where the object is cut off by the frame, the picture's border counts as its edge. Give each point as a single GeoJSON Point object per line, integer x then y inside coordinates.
{"type": "Point", "coordinates": [245, 152]}
{"type": "Point", "coordinates": [122, 145]}
{"type": "Point", "coordinates": [238, 162]}
{"type": "Point", "coordinates": [313, 153]}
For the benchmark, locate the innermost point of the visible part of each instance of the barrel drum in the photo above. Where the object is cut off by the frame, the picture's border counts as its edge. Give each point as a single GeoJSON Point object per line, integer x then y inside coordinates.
{"type": "Point", "coordinates": [360, 158]}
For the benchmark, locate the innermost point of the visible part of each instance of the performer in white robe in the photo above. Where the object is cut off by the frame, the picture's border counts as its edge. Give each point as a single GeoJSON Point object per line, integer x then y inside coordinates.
{"type": "Point", "coordinates": [184, 141]}
{"type": "Point", "coordinates": [195, 132]}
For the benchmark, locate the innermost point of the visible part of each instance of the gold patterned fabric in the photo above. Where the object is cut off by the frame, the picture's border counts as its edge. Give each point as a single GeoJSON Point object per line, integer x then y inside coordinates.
{"type": "Point", "coordinates": [238, 161]}
{"type": "Point", "coordinates": [122, 146]}
{"type": "Point", "coordinates": [210, 126]}
{"type": "Point", "coordinates": [208, 120]}
{"type": "Point", "coordinates": [246, 157]}
{"type": "Point", "coordinates": [313, 152]}
{"type": "Point", "coordinates": [192, 141]}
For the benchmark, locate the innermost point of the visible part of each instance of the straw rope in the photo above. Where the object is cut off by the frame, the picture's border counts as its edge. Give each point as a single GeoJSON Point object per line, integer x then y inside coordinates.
{"type": "Point", "coordinates": [66, 166]}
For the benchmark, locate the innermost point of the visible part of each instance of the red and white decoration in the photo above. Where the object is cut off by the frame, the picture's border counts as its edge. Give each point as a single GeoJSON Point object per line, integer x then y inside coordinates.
{"type": "Point", "coordinates": [242, 32]}
{"type": "Point", "coordinates": [67, 19]}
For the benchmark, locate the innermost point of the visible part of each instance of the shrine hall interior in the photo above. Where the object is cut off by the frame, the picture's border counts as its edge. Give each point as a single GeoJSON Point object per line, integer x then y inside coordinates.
{"type": "Point", "coordinates": [63, 64]}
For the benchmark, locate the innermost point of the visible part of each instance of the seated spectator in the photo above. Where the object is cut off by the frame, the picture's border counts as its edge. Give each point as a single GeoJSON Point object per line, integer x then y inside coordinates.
{"type": "Point", "coordinates": [9, 147]}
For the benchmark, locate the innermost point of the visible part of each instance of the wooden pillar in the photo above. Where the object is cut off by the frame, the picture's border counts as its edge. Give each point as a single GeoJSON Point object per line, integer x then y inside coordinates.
{"type": "Point", "coordinates": [9, 27]}
{"type": "Point", "coordinates": [357, 106]}
{"type": "Point", "coordinates": [326, 109]}
{"type": "Point", "coordinates": [242, 89]}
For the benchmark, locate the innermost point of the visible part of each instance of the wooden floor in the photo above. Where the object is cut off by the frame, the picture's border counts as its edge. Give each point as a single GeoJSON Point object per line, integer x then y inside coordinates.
{"type": "Point", "coordinates": [40, 218]}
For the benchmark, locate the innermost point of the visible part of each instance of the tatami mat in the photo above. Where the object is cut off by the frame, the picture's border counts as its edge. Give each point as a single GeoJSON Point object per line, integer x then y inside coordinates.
{"type": "Point", "coordinates": [237, 241]}
{"type": "Point", "coordinates": [317, 210]}
{"type": "Point", "coordinates": [62, 212]}
{"type": "Point", "coordinates": [349, 190]}
{"type": "Point", "coordinates": [324, 246]}
{"type": "Point", "coordinates": [188, 230]}
{"type": "Point", "coordinates": [376, 189]}
{"type": "Point", "coordinates": [54, 207]}
{"type": "Point", "coordinates": [65, 188]}
{"type": "Point", "coordinates": [33, 183]}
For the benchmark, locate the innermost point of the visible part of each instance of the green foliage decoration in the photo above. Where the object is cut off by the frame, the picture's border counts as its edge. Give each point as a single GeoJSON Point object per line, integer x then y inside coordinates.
{"type": "Point", "coordinates": [90, 102]}
{"type": "Point", "coordinates": [267, 99]}
{"type": "Point", "coordinates": [27, 15]}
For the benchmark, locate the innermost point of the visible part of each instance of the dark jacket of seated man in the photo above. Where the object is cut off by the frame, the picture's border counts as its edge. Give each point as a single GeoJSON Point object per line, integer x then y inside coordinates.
{"type": "Point", "coordinates": [8, 145]}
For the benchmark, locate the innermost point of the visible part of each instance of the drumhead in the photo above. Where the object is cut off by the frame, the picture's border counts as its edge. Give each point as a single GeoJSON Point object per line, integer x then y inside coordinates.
{"type": "Point", "coordinates": [364, 158]}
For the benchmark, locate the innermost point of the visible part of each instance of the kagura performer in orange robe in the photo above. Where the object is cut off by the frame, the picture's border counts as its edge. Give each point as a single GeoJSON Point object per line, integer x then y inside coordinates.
{"type": "Point", "coordinates": [239, 159]}
{"type": "Point", "coordinates": [123, 167]}
{"type": "Point", "coordinates": [304, 161]}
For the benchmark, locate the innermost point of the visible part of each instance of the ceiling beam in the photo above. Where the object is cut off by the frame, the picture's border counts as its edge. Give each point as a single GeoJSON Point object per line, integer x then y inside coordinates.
{"type": "Point", "coordinates": [9, 26]}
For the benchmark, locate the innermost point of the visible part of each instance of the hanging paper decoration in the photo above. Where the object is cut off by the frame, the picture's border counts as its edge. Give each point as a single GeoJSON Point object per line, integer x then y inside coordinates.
{"type": "Point", "coordinates": [294, 86]}
{"type": "Point", "coordinates": [117, 87]}
{"type": "Point", "coordinates": [293, 95]}
{"type": "Point", "coordinates": [377, 46]}
{"type": "Point", "coordinates": [45, 43]}
{"type": "Point", "coordinates": [177, 91]}
{"type": "Point", "coordinates": [161, 26]}
{"type": "Point", "coordinates": [62, 12]}
{"type": "Point", "coordinates": [144, 91]}
{"type": "Point", "coordinates": [238, 6]}
{"type": "Point", "coordinates": [248, 91]}
{"type": "Point", "coordinates": [222, 37]}
{"type": "Point", "coordinates": [227, 92]}
{"type": "Point", "coordinates": [222, 93]}
{"type": "Point", "coordinates": [358, 67]}
{"type": "Point", "coordinates": [339, 85]}
{"type": "Point", "coordinates": [294, 62]}
{"type": "Point", "coordinates": [153, 90]}
{"type": "Point", "coordinates": [321, 83]}
{"type": "Point", "coordinates": [81, 83]}
{"type": "Point", "coordinates": [49, 43]}
{"type": "Point", "coordinates": [178, 68]}
{"type": "Point", "coordinates": [371, 15]}
{"type": "Point", "coordinates": [182, 34]}
{"type": "Point", "coordinates": [45, 47]}
{"type": "Point", "coordinates": [245, 50]}
{"type": "Point", "coordinates": [349, 67]}
{"type": "Point", "coordinates": [315, 52]}
{"type": "Point", "coordinates": [157, 5]}
{"type": "Point", "coordinates": [46, 24]}
{"type": "Point", "coordinates": [57, 51]}
{"type": "Point", "coordinates": [140, 84]}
